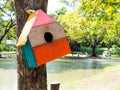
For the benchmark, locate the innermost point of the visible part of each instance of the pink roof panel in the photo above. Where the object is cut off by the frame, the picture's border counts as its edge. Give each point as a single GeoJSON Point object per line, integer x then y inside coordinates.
{"type": "Point", "coordinates": [43, 19]}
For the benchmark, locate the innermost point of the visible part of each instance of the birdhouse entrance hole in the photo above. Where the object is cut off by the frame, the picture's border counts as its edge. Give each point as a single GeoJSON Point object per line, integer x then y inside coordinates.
{"type": "Point", "coordinates": [48, 37]}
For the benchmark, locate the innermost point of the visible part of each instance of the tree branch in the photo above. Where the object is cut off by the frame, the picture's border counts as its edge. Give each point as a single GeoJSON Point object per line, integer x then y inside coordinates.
{"type": "Point", "coordinates": [5, 12]}
{"type": "Point", "coordinates": [7, 29]}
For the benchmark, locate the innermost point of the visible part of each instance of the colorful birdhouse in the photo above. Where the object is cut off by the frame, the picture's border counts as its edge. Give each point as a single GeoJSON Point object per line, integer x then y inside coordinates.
{"type": "Point", "coordinates": [47, 40]}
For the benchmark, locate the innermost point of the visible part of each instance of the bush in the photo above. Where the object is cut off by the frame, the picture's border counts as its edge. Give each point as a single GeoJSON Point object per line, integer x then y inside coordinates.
{"type": "Point", "coordinates": [7, 48]}
{"type": "Point", "coordinates": [115, 50]}
{"type": "Point", "coordinates": [84, 49]}
{"type": "Point", "coordinates": [10, 48]}
{"type": "Point", "coordinates": [100, 50]}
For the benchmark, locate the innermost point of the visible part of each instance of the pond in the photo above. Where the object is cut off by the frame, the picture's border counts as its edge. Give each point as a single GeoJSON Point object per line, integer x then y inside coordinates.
{"type": "Point", "coordinates": [66, 71]}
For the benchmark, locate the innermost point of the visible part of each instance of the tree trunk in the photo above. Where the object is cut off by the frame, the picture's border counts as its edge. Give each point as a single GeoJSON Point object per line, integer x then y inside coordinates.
{"type": "Point", "coordinates": [29, 79]}
{"type": "Point", "coordinates": [109, 45]}
{"type": "Point", "coordinates": [94, 51]}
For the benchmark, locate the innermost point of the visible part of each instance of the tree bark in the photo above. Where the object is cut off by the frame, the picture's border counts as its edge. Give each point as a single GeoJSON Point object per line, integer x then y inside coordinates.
{"type": "Point", "coordinates": [29, 79]}
{"type": "Point", "coordinates": [94, 51]}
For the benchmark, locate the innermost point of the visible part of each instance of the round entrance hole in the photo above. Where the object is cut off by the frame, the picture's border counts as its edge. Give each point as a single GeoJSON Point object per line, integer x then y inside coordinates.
{"type": "Point", "coordinates": [48, 37]}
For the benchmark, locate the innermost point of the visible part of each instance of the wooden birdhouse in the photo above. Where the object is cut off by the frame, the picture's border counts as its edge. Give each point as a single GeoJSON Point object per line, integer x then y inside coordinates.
{"type": "Point", "coordinates": [47, 40]}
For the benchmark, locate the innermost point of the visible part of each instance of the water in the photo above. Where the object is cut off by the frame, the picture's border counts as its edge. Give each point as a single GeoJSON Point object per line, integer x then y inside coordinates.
{"type": "Point", "coordinates": [66, 71]}
{"type": "Point", "coordinates": [70, 72]}
{"type": "Point", "coordinates": [8, 74]}
{"type": "Point", "coordinates": [8, 63]}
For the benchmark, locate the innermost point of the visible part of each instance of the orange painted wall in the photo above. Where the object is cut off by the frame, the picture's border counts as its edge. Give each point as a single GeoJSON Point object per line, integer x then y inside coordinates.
{"type": "Point", "coordinates": [51, 51]}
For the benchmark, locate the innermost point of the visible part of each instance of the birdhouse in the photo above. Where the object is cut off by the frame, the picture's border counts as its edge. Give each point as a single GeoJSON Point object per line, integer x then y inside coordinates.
{"type": "Point", "coordinates": [47, 40]}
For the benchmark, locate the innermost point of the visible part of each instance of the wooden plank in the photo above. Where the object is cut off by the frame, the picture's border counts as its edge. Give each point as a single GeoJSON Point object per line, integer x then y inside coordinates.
{"type": "Point", "coordinates": [51, 51]}
{"type": "Point", "coordinates": [26, 29]}
{"type": "Point", "coordinates": [55, 86]}
{"type": "Point", "coordinates": [28, 54]}
{"type": "Point", "coordinates": [36, 35]}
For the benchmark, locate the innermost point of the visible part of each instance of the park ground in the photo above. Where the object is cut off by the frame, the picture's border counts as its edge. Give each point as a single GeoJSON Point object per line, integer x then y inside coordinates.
{"type": "Point", "coordinates": [108, 79]}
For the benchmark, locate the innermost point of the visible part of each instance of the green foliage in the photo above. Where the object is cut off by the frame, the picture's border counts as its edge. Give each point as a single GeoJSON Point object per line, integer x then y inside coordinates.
{"type": "Point", "coordinates": [59, 14]}
{"type": "Point", "coordinates": [94, 25]}
{"type": "Point", "coordinates": [10, 48]}
{"type": "Point", "coordinates": [4, 47]}
{"type": "Point", "coordinates": [70, 3]}
{"type": "Point", "coordinates": [115, 50]}
{"type": "Point", "coordinates": [94, 22]}
{"type": "Point", "coordinates": [99, 51]}
{"type": "Point", "coordinates": [7, 26]}
{"type": "Point", "coordinates": [7, 48]}
{"type": "Point", "coordinates": [84, 49]}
